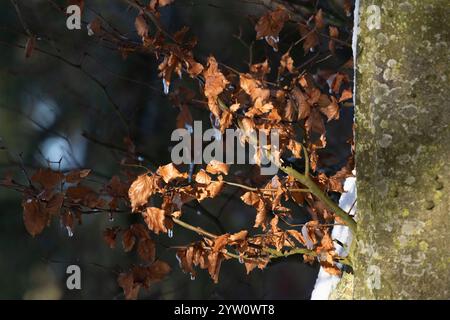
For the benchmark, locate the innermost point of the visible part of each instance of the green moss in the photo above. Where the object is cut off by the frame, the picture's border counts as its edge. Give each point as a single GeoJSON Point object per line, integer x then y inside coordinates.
{"type": "Point", "coordinates": [423, 245]}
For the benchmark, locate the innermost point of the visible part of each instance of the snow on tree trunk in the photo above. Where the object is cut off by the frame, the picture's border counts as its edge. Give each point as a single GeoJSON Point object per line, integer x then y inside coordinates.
{"type": "Point", "coordinates": [402, 246]}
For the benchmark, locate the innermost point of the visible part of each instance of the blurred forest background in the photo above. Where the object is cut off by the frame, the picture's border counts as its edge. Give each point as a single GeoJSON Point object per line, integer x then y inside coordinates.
{"type": "Point", "coordinates": [61, 105]}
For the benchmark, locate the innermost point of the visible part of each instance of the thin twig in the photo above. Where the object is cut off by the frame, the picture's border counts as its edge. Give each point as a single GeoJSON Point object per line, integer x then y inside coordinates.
{"type": "Point", "coordinates": [21, 19]}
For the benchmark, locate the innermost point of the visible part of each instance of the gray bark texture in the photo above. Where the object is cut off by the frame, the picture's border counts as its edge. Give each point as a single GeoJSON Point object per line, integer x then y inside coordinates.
{"type": "Point", "coordinates": [402, 248]}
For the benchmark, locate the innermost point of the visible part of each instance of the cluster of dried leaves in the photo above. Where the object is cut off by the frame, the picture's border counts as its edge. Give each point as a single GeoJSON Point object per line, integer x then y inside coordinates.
{"type": "Point", "coordinates": [298, 100]}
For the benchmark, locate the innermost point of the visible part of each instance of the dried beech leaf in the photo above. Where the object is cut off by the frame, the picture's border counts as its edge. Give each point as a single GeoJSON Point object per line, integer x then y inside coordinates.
{"type": "Point", "coordinates": [251, 198]}
{"type": "Point", "coordinates": [141, 26]}
{"type": "Point", "coordinates": [270, 25]}
{"type": "Point", "coordinates": [126, 282]}
{"type": "Point", "coordinates": [170, 172]}
{"type": "Point", "coordinates": [110, 236]}
{"type": "Point", "coordinates": [217, 167]}
{"type": "Point", "coordinates": [202, 177]}
{"type": "Point", "coordinates": [286, 63]}
{"type": "Point", "coordinates": [47, 178]}
{"type": "Point", "coordinates": [215, 83]}
{"type": "Point", "coordinates": [346, 94]}
{"type": "Point", "coordinates": [154, 218]}
{"type": "Point", "coordinates": [146, 250]}
{"type": "Point", "coordinates": [140, 190]}
{"type": "Point", "coordinates": [253, 87]}
{"type": "Point", "coordinates": [318, 19]}
{"type": "Point", "coordinates": [77, 176]}
{"type": "Point", "coordinates": [128, 240]}
{"type": "Point", "coordinates": [34, 216]}
{"type": "Point", "coordinates": [239, 236]}
{"type": "Point", "coordinates": [331, 110]}
{"type": "Point", "coordinates": [54, 204]}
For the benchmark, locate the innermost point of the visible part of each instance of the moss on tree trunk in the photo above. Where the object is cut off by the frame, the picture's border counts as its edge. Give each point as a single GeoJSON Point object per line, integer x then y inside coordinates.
{"type": "Point", "coordinates": [402, 152]}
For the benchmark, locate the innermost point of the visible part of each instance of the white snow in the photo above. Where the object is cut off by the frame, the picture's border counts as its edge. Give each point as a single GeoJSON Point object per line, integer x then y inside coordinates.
{"type": "Point", "coordinates": [325, 282]}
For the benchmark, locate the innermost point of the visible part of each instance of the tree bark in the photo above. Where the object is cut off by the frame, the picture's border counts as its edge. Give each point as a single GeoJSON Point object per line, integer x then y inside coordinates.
{"type": "Point", "coordinates": [402, 248]}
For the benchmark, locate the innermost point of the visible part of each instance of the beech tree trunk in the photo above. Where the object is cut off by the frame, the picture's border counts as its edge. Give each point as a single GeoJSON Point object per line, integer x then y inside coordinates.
{"type": "Point", "coordinates": [402, 248]}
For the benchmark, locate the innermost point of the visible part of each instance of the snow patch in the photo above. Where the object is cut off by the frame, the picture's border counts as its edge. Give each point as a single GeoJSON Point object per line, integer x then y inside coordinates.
{"type": "Point", "coordinates": [326, 282]}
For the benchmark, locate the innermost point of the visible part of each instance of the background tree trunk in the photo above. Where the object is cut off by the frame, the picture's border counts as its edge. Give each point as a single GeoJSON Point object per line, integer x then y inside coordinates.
{"type": "Point", "coordinates": [402, 153]}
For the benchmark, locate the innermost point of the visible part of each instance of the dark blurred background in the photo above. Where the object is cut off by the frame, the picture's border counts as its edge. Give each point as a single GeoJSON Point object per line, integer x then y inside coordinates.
{"type": "Point", "coordinates": [60, 105]}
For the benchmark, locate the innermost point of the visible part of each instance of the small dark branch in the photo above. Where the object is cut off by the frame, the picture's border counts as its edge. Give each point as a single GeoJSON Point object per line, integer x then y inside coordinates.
{"type": "Point", "coordinates": [21, 19]}
{"type": "Point", "coordinates": [208, 215]}
{"type": "Point", "coordinates": [112, 146]}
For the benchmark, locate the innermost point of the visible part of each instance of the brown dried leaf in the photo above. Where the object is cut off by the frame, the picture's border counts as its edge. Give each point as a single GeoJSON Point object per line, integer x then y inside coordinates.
{"type": "Point", "coordinates": [270, 25]}
{"type": "Point", "coordinates": [185, 264]}
{"type": "Point", "coordinates": [110, 236]}
{"type": "Point", "coordinates": [130, 288]}
{"type": "Point", "coordinates": [77, 175]}
{"type": "Point", "coordinates": [128, 240]}
{"type": "Point", "coordinates": [169, 172]}
{"type": "Point", "coordinates": [140, 231]}
{"type": "Point", "coordinates": [55, 203]}
{"type": "Point", "coordinates": [194, 68]}
{"type": "Point", "coordinates": [239, 236]}
{"type": "Point", "coordinates": [83, 195]}
{"type": "Point", "coordinates": [154, 218]}
{"type": "Point", "coordinates": [253, 87]}
{"type": "Point", "coordinates": [220, 242]}
{"type": "Point", "coordinates": [67, 220]}
{"type": "Point", "coordinates": [314, 123]}
{"type": "Point", "coordinates": [214, 188]}
{"type": "Point", "coordinates": [225, 120]}
{"type": "Point", "coordinates": [117, 188]}
{"type": "Point", "coordinates": [259, 70]}
{"type": "Point", "coordinates": [141, 26]}
{"type": "Point", "coordinates": [346, 94]}
{"type": "Point", "coordinates": [215, 261]}
{"type": "Point", "coordinates": [47, 178]}
{"type": "Point", "coordinates": [311, 39]}
{"type": "Point", "coordinates": [184, 118]}
{"type": "Point", "coordinates": [251, 198]}
{"type": "Point", "coordinates": [304, 108]}
{"type": "Point", "coordinates": [217, 167]}
{"type": "Point", "coordinates": [170, 64]}
{"type": "Point", "coordinates": [34, 216]}
{"type": "Point", "coordinates": [215, 83]}
{"type": "Point", "coordinates": [286, 63]}
{"type": "Point", "coordinates": [146, 250]}
{"type": "Point", "coordinates": [289, 111]}
{"type": "Point", "coordinates": [308, 233]}
{"type": "Point", "coordinates": [334, 32]}
{"type": "Point", "coordinates": [202, 177]}
{"type": "Point", "coordinates": [261, 215]}
{"type": "Point", "coordinates": [318, 19]}
{"type": "Point", "coordinates": [295, 147]}
{"type": "Point", "coordinates": [140, 190]}
{"type": "Point", "coordinates": [158, 271]}
{"type": "Point", "coordinates": [261, 263]}
{"type": "Point", "coordinates": [296, 235]}
{"type": "Point", "coordinates": [339, 78]}
{"type": "Point", "coordinates": [332, 110]}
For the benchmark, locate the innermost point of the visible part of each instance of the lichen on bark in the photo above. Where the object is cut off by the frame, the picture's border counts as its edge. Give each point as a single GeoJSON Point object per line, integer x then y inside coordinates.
{"type": "Point", "coordinates": [403, 151]}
